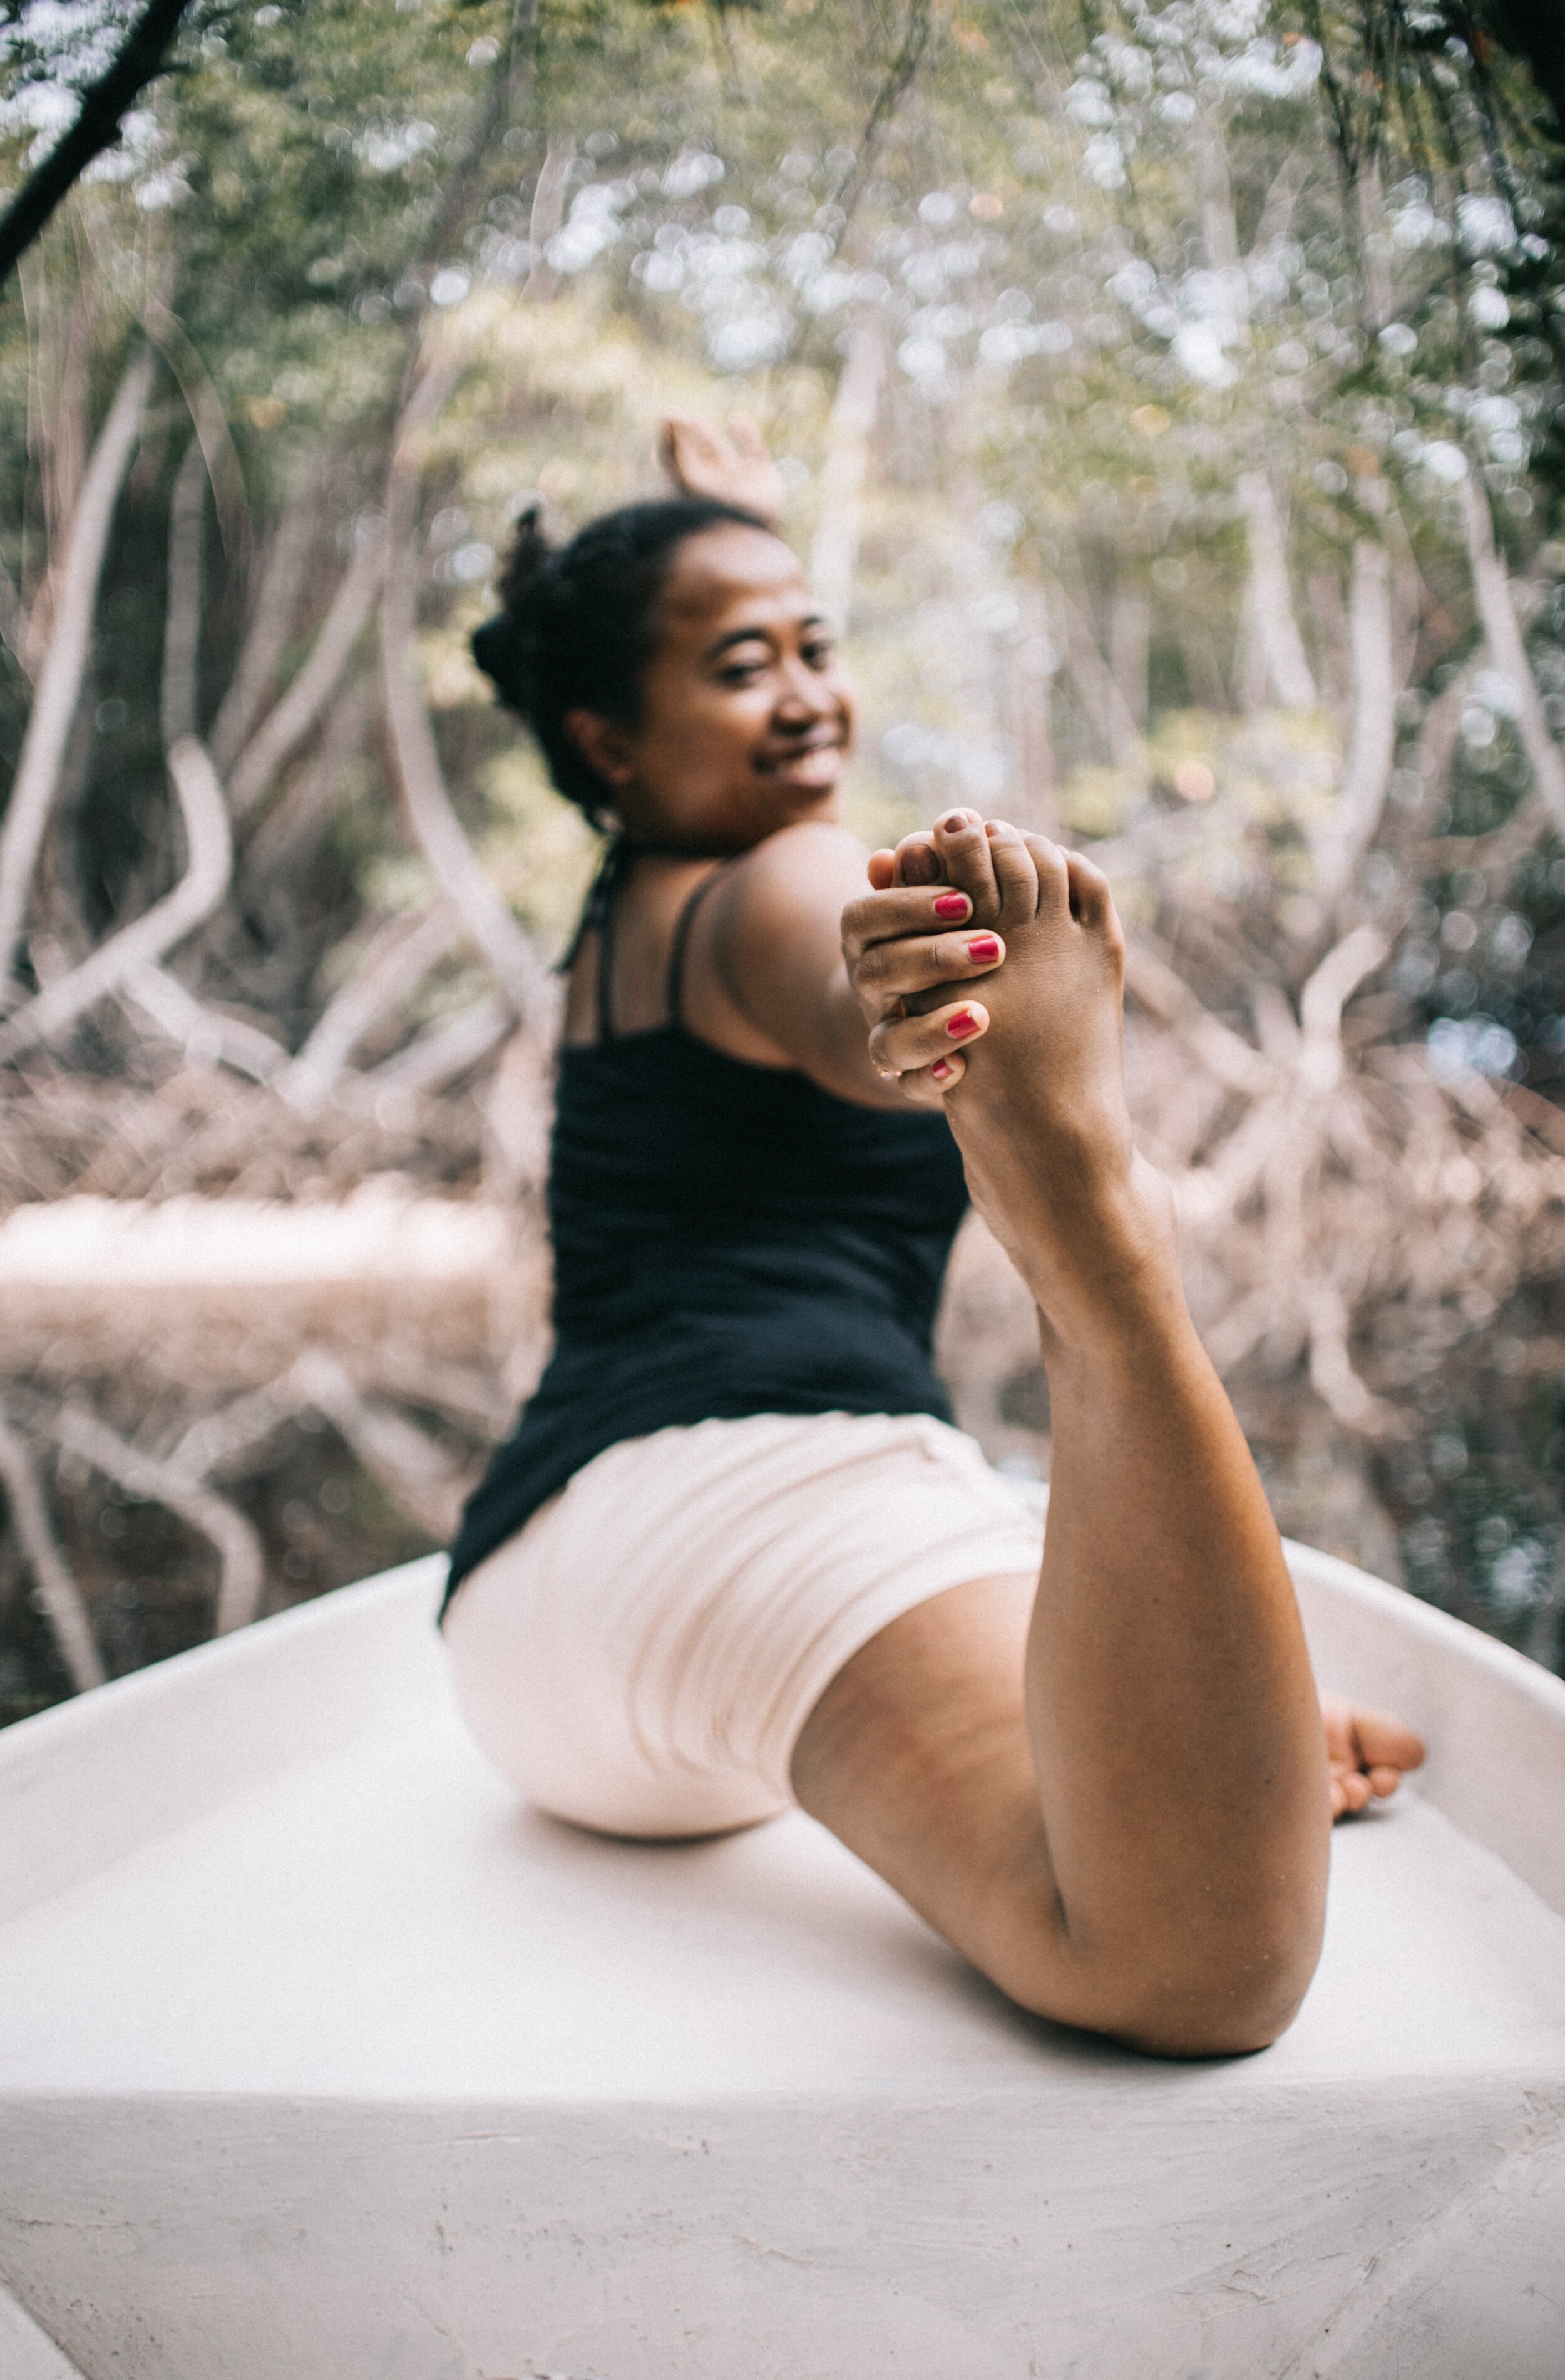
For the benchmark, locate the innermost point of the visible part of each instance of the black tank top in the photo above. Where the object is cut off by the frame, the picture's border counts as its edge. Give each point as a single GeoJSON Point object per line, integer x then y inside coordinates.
{"type": "Point", "coordinates": [729, 1239]}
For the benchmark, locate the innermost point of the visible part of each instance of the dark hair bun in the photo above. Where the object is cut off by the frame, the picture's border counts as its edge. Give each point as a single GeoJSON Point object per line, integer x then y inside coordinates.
{"type": "Point", "coordinates": [579, 623]}
{"type": "Point", "coordinates": [530, 556]}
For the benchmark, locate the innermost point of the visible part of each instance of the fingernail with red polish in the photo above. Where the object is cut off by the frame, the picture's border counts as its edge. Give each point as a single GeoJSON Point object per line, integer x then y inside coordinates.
{"type": "Point", "coordinates": [953, 905]}
{"type": "Point", "coordinates": [959, 1026]}
{"type": "Point", "coordinates": [983, 950]}
{"type": "Point", "coordinates": [943, 1070]}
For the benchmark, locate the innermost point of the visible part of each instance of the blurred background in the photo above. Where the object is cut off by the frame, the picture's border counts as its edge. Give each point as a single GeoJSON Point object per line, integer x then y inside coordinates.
{"type": "Point", "coordinates": [1169, 400]}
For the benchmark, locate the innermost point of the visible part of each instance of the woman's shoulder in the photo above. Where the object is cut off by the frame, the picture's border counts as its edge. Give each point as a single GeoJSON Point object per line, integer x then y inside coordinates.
{"type": "Point", "coordinates": [811, 869]}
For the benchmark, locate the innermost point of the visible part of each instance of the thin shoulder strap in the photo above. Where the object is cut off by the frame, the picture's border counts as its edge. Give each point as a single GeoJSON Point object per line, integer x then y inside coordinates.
{"type": "Point", "coordinates": [687, 919]}
{"type": "Point", "coordinates": [606, 959]}
{"type": "Point", "coordinates": [598, 917]}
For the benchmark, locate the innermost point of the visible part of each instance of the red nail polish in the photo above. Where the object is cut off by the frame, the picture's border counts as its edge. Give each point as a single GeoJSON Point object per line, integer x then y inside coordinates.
{"type": "Point", "coordinates": [983, 950]}
{"type": "Point", "coordinates": [953, 905]}
{"type": "Point", "coordinates": [961, 1024]}
{"type": "Point", "coordinates": [943, 1070]}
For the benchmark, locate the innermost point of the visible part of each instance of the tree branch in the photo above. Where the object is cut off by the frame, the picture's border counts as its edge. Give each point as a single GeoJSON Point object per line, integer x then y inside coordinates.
{"type": "Point", "coordinates": [436, 828]}
{"type": "Point", "coordinates": [285, 728]}
{"type": "Point", "coordinates": [192, 901]}
{"type": "Point", "coordinates": [1322, 1001]}
{"type": "Point", "coordinates": [182, 617]}
{"type": "Point", "coordinates": [833, 556]}
{"type": "Point", "coordinates": [282, 576]}
{"type": "Point", "coordinates": [210, 417]}
{"type": "Point", "coordinates": [59, 679]}
{"type": "Point", "coordinates": [204, 1035]}
{"type": "Point", "coordinates": [444, 1050]}
{"type": "Point", "coordinates": [893, 89]}
{"type": "Point", "coordinates": [243, 1562]}
{"type": "Point", "coordinates": [1502, 634]}
{"type": "Point", "coordinates": [1224, 1054]}
{"type": "Point", "coordinates": [62, 1599]}
{"type": "Point", "coordinates": [104, 103]}
{"type": "Point", "coordinates": [548, 209]}
{"type": "Point", "coordinates": [1367, 769]}
{"type": "Point", "coordinates": [399, 959]}
{"type": "Point", "coordinates": [1277, 647]}
{"type": "Point", "coordinates": [409, 1465]}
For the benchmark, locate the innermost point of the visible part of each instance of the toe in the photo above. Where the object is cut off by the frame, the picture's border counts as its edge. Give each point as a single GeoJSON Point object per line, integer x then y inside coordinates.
{"type": "Point", "coordinates": [963, 850]}
{"type": "Point", "coordinates": [918, 861]}
{"type": "Point", "coordinates": [1369, 1751]}
{"type": "Point", "coordinates": [1053, 875]}
{"type": "Point", "coordinates": [1015, 874]}
{"type": "Point", "coordinates": [1092, 904]}
{"type": "Point", "coordinates": [1385, 1741]}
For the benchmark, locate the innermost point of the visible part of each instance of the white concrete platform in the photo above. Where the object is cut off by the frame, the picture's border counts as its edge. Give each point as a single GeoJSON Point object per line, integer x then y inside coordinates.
{"type": "Point", "coordinates": [320, 2061]}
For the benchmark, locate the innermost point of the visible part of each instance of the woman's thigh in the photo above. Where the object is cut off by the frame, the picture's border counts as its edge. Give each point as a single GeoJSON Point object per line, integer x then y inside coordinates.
{"type": "Point", "coordinates": [917, 1757]}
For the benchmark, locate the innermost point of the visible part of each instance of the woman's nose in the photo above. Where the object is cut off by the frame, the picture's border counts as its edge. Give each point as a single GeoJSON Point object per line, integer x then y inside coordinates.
{"type": "Point", "coordinates": [802, 699]}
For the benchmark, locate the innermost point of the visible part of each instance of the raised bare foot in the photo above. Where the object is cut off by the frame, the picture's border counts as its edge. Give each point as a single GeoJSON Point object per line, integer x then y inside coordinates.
{"type": "Point", "coordinates": [1370, 1752]}
{"type": "Point", "coordinates": [1038, 1103]}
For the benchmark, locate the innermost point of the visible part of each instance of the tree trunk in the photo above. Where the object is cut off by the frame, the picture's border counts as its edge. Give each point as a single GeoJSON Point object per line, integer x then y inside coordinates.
{"type": "Point", "coordinates": [436, 828]}
{"type": "Point", "coordinates": [1502, 634]}
{"type": "Point", "coordinates": [1275, 657]}
{"type": "Point", "coordinates": [834, 556]}
{"type": "Point", "coordinates": [180, 693]}
{"type": "Point", "coordinates": [1366, 770]}
{"type": "Point", "coordinates": [1028, 686]}
{"type": "Point", "coordinates": [59, 680]}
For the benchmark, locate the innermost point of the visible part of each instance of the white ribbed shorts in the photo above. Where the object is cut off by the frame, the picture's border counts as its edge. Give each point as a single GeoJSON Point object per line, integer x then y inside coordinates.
{"type": "Point", "coordinates": [642, 1656]}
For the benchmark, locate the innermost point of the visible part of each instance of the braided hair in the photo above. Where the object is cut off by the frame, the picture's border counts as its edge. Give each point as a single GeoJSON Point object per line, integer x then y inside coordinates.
{"type": "Point", "coordinates": [579, 624]}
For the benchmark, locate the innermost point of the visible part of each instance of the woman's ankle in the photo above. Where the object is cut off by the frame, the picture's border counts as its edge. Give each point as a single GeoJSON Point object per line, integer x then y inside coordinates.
{"type": "Point", "coordinates": [1108, 1270]}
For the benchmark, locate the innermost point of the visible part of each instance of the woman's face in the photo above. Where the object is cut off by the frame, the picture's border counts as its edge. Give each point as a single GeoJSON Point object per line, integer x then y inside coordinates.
{"type": "Point", "coordinates": [746, 713]}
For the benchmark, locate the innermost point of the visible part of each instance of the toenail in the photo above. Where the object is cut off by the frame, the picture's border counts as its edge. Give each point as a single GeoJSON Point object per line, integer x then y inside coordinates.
{"type": "Point", "coordinates": [943, 1070]}
{"type": "Point", "coordinates": [959, 1026]}
{"type": "Point", "coordinates": [983, 950]}
{"type": "Point", "coordinates": [953, 822]}
{"type": "Point", "coordinates": [953, 905]}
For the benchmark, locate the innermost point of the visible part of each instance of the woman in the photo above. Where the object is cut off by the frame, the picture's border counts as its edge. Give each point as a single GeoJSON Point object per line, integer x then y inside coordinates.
{"type": "Point", "coordinates": [735, 1554]}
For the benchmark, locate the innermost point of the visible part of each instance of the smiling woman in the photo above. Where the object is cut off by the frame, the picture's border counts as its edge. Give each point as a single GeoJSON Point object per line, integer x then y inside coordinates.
{"type": "Point", "coordinates": [735, 1555]}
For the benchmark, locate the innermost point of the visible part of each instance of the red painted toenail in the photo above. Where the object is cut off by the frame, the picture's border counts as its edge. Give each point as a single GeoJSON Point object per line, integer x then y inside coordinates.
{"type": "Point", "coordinates": [959, 1026]}
{"type": "Point", "coordinates": [953, 905]}
{"type": "Point", "coordinates": [983, 950]}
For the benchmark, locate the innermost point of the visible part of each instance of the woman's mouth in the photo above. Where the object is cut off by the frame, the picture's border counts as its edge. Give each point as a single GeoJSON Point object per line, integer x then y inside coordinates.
{"type": "Point", "coordinates": [817, 763]}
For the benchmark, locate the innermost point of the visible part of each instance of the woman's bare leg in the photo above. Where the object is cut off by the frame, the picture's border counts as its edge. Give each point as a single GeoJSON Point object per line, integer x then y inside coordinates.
{"type": "Point", "coordinates": [1143, 1849]}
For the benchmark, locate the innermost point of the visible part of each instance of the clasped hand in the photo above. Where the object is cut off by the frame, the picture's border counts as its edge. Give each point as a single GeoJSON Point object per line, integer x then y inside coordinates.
{"type": "Point", "coordinates": [908, 945]}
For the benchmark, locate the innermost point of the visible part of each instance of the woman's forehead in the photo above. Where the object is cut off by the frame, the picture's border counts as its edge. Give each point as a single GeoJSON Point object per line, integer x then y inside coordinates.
{"type": "Point", "coordinates": [732, 568]}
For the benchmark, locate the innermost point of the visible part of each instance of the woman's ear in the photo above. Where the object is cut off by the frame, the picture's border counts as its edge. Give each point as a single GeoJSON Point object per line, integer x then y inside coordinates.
{"type": "Point", "coordinates": [605, 748]}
